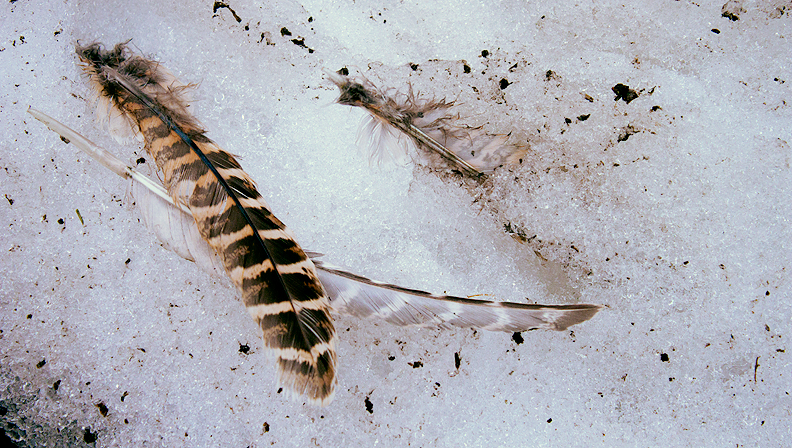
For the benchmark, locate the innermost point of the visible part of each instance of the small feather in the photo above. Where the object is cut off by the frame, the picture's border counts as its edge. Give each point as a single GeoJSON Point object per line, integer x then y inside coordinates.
{"type": "Point", "coordinates": [430, 125]}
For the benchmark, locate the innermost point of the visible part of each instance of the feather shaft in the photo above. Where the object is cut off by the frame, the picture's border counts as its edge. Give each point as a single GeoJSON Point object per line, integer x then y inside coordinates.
{"type": "Point", "coordinates": [420, 136]}
{"type": "Point", "coordinates": [101, 155]}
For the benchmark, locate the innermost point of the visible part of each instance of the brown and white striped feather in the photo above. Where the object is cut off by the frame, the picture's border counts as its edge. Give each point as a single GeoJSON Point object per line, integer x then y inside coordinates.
{"type": "Point", "coordinates": [278, 282]}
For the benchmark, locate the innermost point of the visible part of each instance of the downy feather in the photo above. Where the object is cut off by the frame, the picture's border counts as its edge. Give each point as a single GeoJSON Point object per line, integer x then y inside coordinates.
{"type": "Point", "coordinates": [277, 280]}
{"type": "Point", "coordinates": [431, 125]}
{"type": "Point", "coordinates": [349, 293]}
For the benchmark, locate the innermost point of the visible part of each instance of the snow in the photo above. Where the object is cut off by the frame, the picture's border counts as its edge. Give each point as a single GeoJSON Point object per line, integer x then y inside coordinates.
{"type": "Point", "coordinates": [682, 229]}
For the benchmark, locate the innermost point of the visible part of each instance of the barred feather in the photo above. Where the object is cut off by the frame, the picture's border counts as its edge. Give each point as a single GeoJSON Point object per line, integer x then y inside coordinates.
{"type": "Point", "coordinates": [278, 281]}
{"type": "Point", "coordinates": [431, 125]}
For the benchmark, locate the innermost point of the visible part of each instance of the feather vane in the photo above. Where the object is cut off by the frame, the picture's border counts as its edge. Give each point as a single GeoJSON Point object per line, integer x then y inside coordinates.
{"type": "Point", "coordinates": [277, 280]}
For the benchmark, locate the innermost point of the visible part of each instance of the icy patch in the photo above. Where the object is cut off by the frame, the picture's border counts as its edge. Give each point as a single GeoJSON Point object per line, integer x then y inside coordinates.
{"type": "Point", "coordinates": [673, 209]}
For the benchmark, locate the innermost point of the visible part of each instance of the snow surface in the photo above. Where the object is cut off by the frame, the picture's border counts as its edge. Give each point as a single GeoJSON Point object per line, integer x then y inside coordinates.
{"type": "Point", "coordinates": [672, 209]}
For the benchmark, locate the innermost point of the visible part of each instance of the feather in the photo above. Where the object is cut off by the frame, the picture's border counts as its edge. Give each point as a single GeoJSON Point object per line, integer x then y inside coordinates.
{"type": "Point", "coordinates": [364, 298]}
{"type": "Point", "coordinates": [278, 282]}
{"type": "Point", "coordinates": [430, 125]}
{"type": "Point", "coordinates": [349, 293]}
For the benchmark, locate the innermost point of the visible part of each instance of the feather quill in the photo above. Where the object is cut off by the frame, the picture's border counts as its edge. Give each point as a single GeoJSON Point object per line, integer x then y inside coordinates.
{"type": "Point", "coordinates": [430, 125]}
{"type": "Point", "coordinates": [349, 293]}
{"type": "Point", "coordinates": [277, 280]}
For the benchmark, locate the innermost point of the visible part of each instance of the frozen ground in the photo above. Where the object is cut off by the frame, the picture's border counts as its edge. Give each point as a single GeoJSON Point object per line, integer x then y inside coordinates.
{"type": "Point", "coordinates": [672, 209]}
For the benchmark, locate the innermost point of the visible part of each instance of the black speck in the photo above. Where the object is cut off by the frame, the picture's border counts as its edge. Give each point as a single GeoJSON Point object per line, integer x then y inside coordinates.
{"type": "Point", "coordinates": [285, 32]}
{"type": "Point", "coordinates": [655, 108]}
{"type": "Point", "coordinates": [457, 360]}
{"type": "Point", "coordinates": [56, 385]}
{"type": "Point", "coordinates": [10, 201]}
{"type": "Point", "coordinates": [583, 117]}
{"type": "Point", "coordinates": [369, 405]}
{"type": "Point", "coordinates": [465, 68]}
{"type": "Point", "coordinates": [266, 427]}
{"type": "Point", "coordinates": [244, 348]}
{"type": "Point", "coordinates": [60, 221]}
{"type": "Point", "coordinates": [567, 120]}
{"type": "Point", "coordinates": [343, 71]}
{"type": "Point", "coordinates": [391, 358]}
{"type": "Point", "coordinates": [41, 363]}
{"type": "Point", "coordinates": [301, 43]}
{"type": "Point", "coordinates": [732, 14]}
{"type": "Point", "coordinates": [124, 395]}
{"type": "Point", "coordinates": [664, 357]}
{"type": "Point", "coordinates": [504, 83]}
{"type": "Point", "coordinates": [551, 75]}
{"type": "Point", "coordinates": [549, 420]}
{"type": "Point", "coordinates": [140, 160]}
{"type": "Point", "coordinates": [102, 409]}
{"type": "Point", "coordinates": [218, 5]}
{"type": "Point", "coordinates": [626, 132]}
{"type": "Point", "coordinates": [484, 53]}
{"type": "Point", "coordinates": [715, 30]}
{"type": "Point", "coordinates": [413, 66]}
{"type": "Point", "coordinates": [280, 389]}
{"type": "Point", "coordinates": [624, 92]}
{"type": "Point", "coordinates": [517, 338]}
{"type": "Point", "coordinates": [767, 293]}
{"type": "Point", "coordinates": [88, 436]}
{"type": "Point", "coordinates": [310, 19]}
{"type": "Point", "coordinates": [30, 316]}
{"type": "Point", "coordinates": [415, 364]}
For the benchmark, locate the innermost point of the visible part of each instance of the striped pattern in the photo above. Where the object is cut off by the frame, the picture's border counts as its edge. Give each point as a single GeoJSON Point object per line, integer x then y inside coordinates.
{"type": "Point", "coordinates": [278, 282]}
